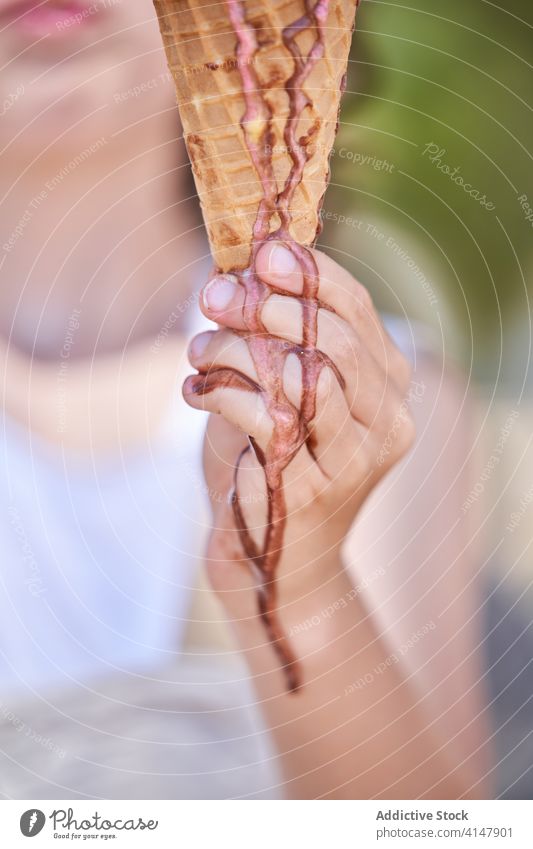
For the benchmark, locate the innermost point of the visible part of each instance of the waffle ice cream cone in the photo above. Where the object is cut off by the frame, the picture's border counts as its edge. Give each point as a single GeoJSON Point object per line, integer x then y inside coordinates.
{"type": "Point", "coordinates": [200, 46]}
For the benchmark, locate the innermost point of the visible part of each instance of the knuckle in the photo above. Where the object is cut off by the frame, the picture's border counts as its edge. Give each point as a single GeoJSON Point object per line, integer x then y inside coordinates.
{"type": "Point", "coordinates": [222, 346]}
{"type": "Point", "coordinates": [348, 346]}
{"type": "Point", "coordinates": [361, 301]}
{"type": "Point", "coordinates": [339, 339]}
{"type": "Point", "coordinates": [325, 387]}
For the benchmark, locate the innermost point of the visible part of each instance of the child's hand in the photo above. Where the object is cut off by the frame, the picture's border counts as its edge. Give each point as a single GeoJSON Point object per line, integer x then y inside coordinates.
{"type": "Point", "coordinates": [360, 430]}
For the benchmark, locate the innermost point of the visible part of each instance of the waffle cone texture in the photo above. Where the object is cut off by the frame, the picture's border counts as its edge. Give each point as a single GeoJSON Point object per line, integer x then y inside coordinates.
{"type": "Point", "coordinates": [200, 45]}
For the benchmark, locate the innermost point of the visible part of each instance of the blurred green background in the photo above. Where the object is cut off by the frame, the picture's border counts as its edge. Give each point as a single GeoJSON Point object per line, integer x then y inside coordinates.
{"type": "Point", "coordinates": [457, 76]}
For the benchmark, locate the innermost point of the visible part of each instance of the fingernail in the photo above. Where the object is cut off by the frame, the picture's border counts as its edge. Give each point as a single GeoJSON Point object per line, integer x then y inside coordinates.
{"type": "Point", "coordinates": [282, 260]}
{"type": "Point", "coordinates": [198, 345]}
{"type": "Point", "coordinates": [219, 292]}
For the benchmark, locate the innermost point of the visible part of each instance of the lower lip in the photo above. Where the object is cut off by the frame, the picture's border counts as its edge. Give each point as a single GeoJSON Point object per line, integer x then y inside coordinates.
{"type": "Point", "coordinates": [49, 20]}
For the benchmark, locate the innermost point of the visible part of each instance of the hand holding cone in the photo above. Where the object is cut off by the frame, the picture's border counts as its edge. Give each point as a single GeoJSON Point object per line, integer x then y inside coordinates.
{"type": "Point", "coordinates": [259, 92]}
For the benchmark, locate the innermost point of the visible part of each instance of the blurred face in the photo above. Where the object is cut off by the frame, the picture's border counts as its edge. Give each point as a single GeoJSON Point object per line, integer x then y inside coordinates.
{"type": "Point", "coordinates": [77, 69]}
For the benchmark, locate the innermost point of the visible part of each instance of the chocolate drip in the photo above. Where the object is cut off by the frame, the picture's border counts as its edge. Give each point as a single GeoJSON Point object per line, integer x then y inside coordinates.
{"type": "Point", "coordinates": [291, 426]}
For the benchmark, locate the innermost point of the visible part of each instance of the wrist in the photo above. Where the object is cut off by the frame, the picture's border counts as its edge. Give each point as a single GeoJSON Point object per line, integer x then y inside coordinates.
{"type": "Point", "coordinates": [318, 612]}
{"type": "Point", "coordinates": [311, 559]}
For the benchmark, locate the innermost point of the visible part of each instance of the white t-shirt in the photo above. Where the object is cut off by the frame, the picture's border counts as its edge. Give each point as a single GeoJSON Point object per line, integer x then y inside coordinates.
{"type": "Point", "coordinates": [97, 559]}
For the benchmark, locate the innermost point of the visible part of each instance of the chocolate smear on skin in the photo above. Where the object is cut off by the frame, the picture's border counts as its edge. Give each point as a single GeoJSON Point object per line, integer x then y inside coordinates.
{"type": "Point", "coordinates": [291, 426]}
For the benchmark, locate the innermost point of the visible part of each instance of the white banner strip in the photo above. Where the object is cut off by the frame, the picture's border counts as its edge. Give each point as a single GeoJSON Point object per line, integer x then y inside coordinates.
{"type": "Point", "coordinates": [267, 825]}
